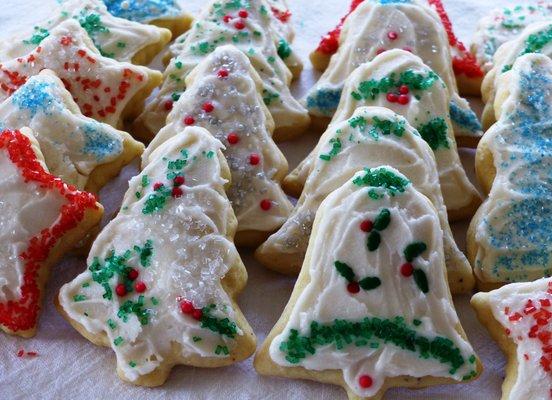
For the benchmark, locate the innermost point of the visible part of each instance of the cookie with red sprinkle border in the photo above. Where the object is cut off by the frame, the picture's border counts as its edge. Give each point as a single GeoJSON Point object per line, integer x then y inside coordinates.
{"type": "Point", "coordinates": [371, 308]}
{"type": "Point", "coordinates": [517, 317]}
{"type": "Point", "coordinates": [42, 218]}
{"type": "Point", "coordinates": [106, 90]}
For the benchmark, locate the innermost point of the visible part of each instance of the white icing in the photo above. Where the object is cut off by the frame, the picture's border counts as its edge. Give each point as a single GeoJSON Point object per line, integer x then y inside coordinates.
{"type": "Point", "coordinates": [96, 75]}
{"type": "Point", "coordinates": [325, 297]}
{"type": "Point", "coordinates": [256, 40]}
{"type": "Point", "coordinates": [73, 145]}
{"type": "Point", "coordinates": [191, 253]}
{"type": "Point", "coordinates": [116, 38]}
{"type": "Point", "coordinates": [365, 33]}
{"type": "Point", "coordinates": [239, 109]}
{"type": "Point", "coordinates": [25, 210]}
{"type": "Point", "coordinates": [408, 153]}
{"type": "Point", "coordinates": [512, 228]}
{"type": "Point", "coordinates": [457, 190]}
{"type": "Point", "coordinates": [505, 57]}
{"type": "Point", "coordinates": [532, 381]}
{"type": "Point", "coordinates": [504, 24]}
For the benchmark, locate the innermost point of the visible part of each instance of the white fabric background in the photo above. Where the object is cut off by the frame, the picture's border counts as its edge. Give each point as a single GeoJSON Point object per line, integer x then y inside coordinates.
{"type": "Point", "coordinates": [69, 367]}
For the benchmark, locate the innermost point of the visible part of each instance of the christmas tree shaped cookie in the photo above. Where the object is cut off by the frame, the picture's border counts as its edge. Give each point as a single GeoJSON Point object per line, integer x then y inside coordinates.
{"type": "Point", "coordinates": [400, 81]}
{"type": "Point", "coordinates": [504, 24]}
{"type": "Point", "coordinates": [79, 150]}
{"type": "Point", "coordinates": [248, 25]}
{"type": "Point", "coordinates": [114, 37]}
{"type": "Point", "coordinates": [373, 28]}
{"type": "Point", "coordinates": [371, 308]}
{"type": "Point", "coordinates": [518, 318]}
{"type": "Point", "coordinates": [466, 67]}
{"type": "Point", "coordinates": [164, 13]}
{"type": "Point", "coordinates": [509, 239]}
{"type": "Point", "coordinates": [162, 277]}
{"type": "Point", "coordinates": [41, 218]}
{"type": "Point", "coordinates": [107, 90]}
{"type": "Point", "coordinates": [373, 136]}
{"type": "Point", "coordinates": [536, 38]}
{"type": "Point", "coordinates": [223, 96]}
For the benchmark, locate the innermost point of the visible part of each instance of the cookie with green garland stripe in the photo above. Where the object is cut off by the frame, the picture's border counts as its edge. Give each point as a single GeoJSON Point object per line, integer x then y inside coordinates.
{"type": "Point", "coordinates": [250, 26]}
{"type": "Point", "coordinates": [402, 82]}
{"type": "Point", "coordinates": [114, 37]}
{"type": "Point", "coordinates": [535, 38]}
{"type": "Point", "coordinates": [162, 277]}
{"type": "Point", "coordinates": [370, 314]}
{"type": "Point", "coordinates": [373, 136]}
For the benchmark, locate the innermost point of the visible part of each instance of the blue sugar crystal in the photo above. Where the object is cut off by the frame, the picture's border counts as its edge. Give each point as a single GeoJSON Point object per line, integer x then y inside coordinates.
{"type": "Point", "coordinates": [324, 101]}
{"type": "Point", "coordinates": [99, 142]}
{"type": "Point", "coordinates": [143, 10]}
{"type": "Point", "coordinates": [35, 97]}
{"type": "Point", "coordinates": [464, 117]}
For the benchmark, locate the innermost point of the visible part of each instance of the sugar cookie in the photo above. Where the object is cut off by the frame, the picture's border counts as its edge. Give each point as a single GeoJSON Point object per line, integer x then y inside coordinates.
{"type": "Point", "coordinates": [107, 90]}
{"type": "Point", "coordinates": [41, 218]}
{"type": "Point", "coordinates": [163, 275]}
{"type": "Point", "coordinates": [223, 96]}
{"type": "Point", "coordinates": [509, 239]}
{"type": "Point", "coordinates": [79, 150]}
{"type": "Point", "coordinates": [373, 136]}
{"type": "Point", "coordinates": [371, 308]}
{"type": "Point", "coordinates": [373, 28]}
{"type": "Point", "coordinates": [518, 318]}
{"type": "Point", "coordinates": [249, 27]}
{"type": "Point", "coordinates": [400, 81]}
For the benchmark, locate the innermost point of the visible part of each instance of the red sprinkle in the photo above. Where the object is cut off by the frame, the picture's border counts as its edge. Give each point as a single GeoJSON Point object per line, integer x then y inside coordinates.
{"type": "Point", "coordinates": [222, 73]}
{"type": "Point", "coordinates": [187, 307]}
{"type": "Point", "coordinates": [365, 381]}
{"type": "Point", "coordinates": [392, 35]}
{"type": "Point", "coordinates": [133, 274]}
{"type": "Point", "coordinates": [353, 287]}
{"type": "Point", "coordinates": [197, 314]}
{"type": "Point", "coordinates": [239, 25]}
{"type": "Point", "coordinates": [233, 138]}
{"type": "Point", "coordinates": [254, 159]}
{"type": "Point", "coordinates": [157, 185]}
{"type": "Point", "coordinates": [366, 225]}
{"type": "Point", "coordinates": [179, 180]}
{"type": "Point", "coordinates": [330, 42]}
{"type": "Point", "coordinates": [243, 13]}
{"type": "Point", "coordinates": [20, 353]}
{"type": "Point", "coordinates": [120, 289]}
{"type": "Point", "coordinates": [392, 97]}
{"type": "Point", "coordinates": [189, 120]}
{"type": "Point", "coordinates": [168, 105]}
{"type": "Point", "coordinates": [407, 269]}
{"type": "Point", "coordinates": [266, 204]}
{"type": "Point", "coordinates": [140, 287]}
{"type": "Point", "coordinates": [404, 89]}
{"type": "Point", "coordinates": [208, 107]}
{"type": "Point", "coordinates": [176, 192]}
{"type": "Point", "coordinates": [226, 18]}
{"type": "Point", "coordinates": [403, 99]}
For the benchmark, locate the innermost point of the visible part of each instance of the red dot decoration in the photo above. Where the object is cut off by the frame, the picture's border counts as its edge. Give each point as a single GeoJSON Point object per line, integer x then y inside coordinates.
{"type": "Point", "coordinates": [407, 269]}
{"type": "Point", "coordinates": [392, 97]}
{"type": "Point", "coordinates": [189, 120]}
{"type": "Point", "coordinates": [365, 381]}
{"type": "Point", "coordinates": [239, 25]}
{"type": "Point", "coordinates": [404, 89]}
{"type": "Point", "coordinates": [179, 181]}
{"type": "Point", "coordinates": [176, 192]}
{"type": "Point", "coordinates": [140, 287]}
{"type": "Point", "coordinates": [366, 225]}
{"type": "Point", "coordinates": [168, 105]}
{"type": "Point", "coordinates": [254, 159]}
{"type": "Point", "coordinates": [222, 73]}
{"type": "Point", "coordinates": [403, 99]}
{"type": "Point", "coordinates": [120, 289]}
{"type": "Point", "coordinates": [208, 107]}
{"type": "Point", "coordinates": [392, 35]}
{"type": "Point", "coordinates": [353, 287]}
{"type": "Point", "coordinates": [133, 274]}
{"type": "Point", "coordinates": [266, 204]}
{"type": "Point", "coordinates": [233, 138]}
{"type": "Point", "coordinates": [186, 307]}
{"type": "Point", "coordinates": [243, 13]}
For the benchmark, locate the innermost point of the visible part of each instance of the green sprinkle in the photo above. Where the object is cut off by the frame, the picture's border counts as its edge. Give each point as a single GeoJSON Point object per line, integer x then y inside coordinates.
{"type": "Point", "coordinates": [434, 133]}
{"type": "Point", "coordinates": [79, 297]}
{"type": "Point", "coordinates": [118, 340]}
{"type": "Point", "coordinates": [154, 301]}
{"type": "Point", "coordinates": [421, 280]}
{"type": "Point", "coordinates": [38, 36]}
{"type": "Point", "coordinates": [335, 150]}
{"type": "Point", "coordinates": [132, 364]}
{"type": "Point", "coordinates": [413, 250]}
{"type": "Point", "coordinates": [284, 51]}
{"type": "Point", "coordinates": [345, 271]}
{"type": "Point", "coordinates": [121, 45]}
{"type": "Point", "coordinates": [382, 177]}
{"type": "Point", "coordinates": [112, 325]}
{"type": "Point", "coordinates": [178, 64]}
{"type": "Point", "coordinates": [223, 326]}
{"type": "Point", "coordinates": [369, 283]}
{"type": "Point", "coordinates": [196, 338]}
{"type": "Point", "coordinates": [373, 241]}
{"type": "Point", "coordinates": [416, 322]}
{"type": "Point", "coordinates": [86, 284]}
{"type": "Point", "coordinates": [382, 220]}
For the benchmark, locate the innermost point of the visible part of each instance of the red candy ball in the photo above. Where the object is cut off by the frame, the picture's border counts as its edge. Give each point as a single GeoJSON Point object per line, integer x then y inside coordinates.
{"type": "Point", "coordinates": [254, 159]}
{"type": "Point", "coordinates": [187, 307]}
{"type": "Point", "coordinates": [133, 274]}
{"type": "Point", "coordinates": [120, 289]}
{"type": "Point", "coordinates": [407, 269]}
{"type": "Point", "coordinates": [365, 381]}
{"type": "Point", "coordinates": [353, 287]}
{"type": "Point", "coordinates": [140, 287]}
{"type": "Point", "coordinates": [189, 120]}
{"type": "Point", "coordinates": [366, 225]}
{"type": "Point", "coordinates": [233, 138]}
{"type": "Point", "coordinates": [266, 204]}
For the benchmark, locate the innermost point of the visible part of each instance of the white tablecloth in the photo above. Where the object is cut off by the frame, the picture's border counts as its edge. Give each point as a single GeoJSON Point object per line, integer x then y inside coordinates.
{"type": "Point", "coordinates": [70, 367]}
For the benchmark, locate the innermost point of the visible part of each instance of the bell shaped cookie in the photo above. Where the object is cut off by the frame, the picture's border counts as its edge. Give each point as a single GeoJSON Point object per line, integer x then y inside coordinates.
{"type": "Point", "coordinates": [373, 28]}
{"type": "Point", "coordinates": [518, 317]}
{"type": "Point", "coordinates": [400, 81]}
{"type": "Point", "coordinates": [223, 96]}
{"type": "Point", "coordinates": [536, 38]}
{"type": "Point", "coordinates": [162, 276]}
{"type": "Point", "coordinates": [41, 219]}
{"type": "Point", "coordinates": [509, 239]}
{"type": "Point", "coordinates": [371, 308]}
{"type": "Point", "coordinates": [114, 37]}
{"type": "Point", "coordinates": [373, 136]}
{"type": "Point", "coordinates": [164, 13]}
{"type": "Point", "coordinates": [504, 24]}
{"type": "Point", "coordinates": [79, 150]}
{"type": "Point", "coordinates": [249, 27]}
{"type": "Point", "coordinates": [466, 68]}
{"type": "Point", "coordinates": [106, 90]}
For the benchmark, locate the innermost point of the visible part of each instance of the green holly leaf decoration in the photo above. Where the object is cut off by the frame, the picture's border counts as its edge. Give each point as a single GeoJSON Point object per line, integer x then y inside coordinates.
{"type": "Point", "coordinates": [369, 283]}
{"type": "Point", "coordinates": [421, 280]}
{"type": "Point", "coordinates": [413, 250]}
{"type": "Point", "coordinates": [374, 240]}
{"type": "Point", "coordinates": [382, 220]}
{"type": "Point", "coordinates": [345, 271]}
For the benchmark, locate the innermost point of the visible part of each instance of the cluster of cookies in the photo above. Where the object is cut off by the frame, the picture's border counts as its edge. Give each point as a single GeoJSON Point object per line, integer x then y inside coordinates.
{"type": "Point", "coordinates": [369, 236]}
